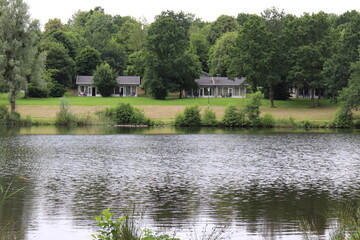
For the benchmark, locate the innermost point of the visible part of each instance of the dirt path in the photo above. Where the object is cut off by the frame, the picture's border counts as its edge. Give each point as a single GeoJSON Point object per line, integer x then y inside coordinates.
{"type": "Point", "coordinates": [168, 113]}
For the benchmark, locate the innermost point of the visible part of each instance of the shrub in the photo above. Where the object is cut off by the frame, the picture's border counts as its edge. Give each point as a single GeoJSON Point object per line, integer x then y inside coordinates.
{"type": "Point", "coordinates": [343, 118]}
{"type": "Point", "coordinates": [209, 118]}
{"type": "Point", "coordinates": [268, 121]}
{"type": "Point", "coordinates": [306, 124]}
{"type": "Point", "coordinates": [125, 114]}
{"type": "Point", "coordinates": [252, 108]}
{"type": "Point", "coordinates": [37, 92]}
{"type": "Point", "coordinates": [357, 123]}
{"type": "Point", "coordinates": [12, 119]}
{"type": "Point", "coordinates": [4, 115]}
{"type": "Point", "coordinates": [180, 119]}
{"type": "Point", "coordinates": [56, 90]}
{"type": "Point", "coordinates": [190, 117]}
{"type": "Point", "coordinates": [65, 117]}
{"type": "Point", "coordinates": [233, 117]}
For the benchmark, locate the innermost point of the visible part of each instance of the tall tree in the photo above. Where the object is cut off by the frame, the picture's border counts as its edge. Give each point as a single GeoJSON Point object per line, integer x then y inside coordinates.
{"type": "Point", "coordinates": [311, 52]}
{"type": "Point", "coordinates": [221, 54]}
{"type": "Point", "coordinates": [257, 55]}
{"type": "Point", "coordinates": [19, 38]}
{"type": "Point", "coordinates": [87, 61]}
{"type": "Point", "coordinates": [105, 80]}
{"type": "Point", "coordinates": [65, 39]}
{"type": "Point", "coordinates": [337, 68]}
{"type": "Point", "coordinates": [223, 24]}
{"type": "Point", "coordinates": [351, 94]}
{"type": "Point", "coordinates": [200, 47]}
{"type": "Point", "coordinates": [136, 64]}
{"type": "Point", "coordinates": [54, 24]}
{"type": "Point", "coordinates": [166, 46]}
{"type": "Point", "coordinates": [59, 63]}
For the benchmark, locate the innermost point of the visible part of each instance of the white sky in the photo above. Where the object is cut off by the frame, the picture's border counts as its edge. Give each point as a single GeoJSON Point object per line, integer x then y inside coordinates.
{"type": "Point", "coordinates": [207, 10]}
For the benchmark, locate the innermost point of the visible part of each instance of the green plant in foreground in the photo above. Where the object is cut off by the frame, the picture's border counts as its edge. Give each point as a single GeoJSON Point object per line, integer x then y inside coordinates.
{"type": "Point", "coordinates": [6, 194]}
{"type": "Point", "coordinates": [124, 228]}
{"type": "Point", "coordinates": [347, 228]}
{"type": "Point", "coordinates": [113, 229]}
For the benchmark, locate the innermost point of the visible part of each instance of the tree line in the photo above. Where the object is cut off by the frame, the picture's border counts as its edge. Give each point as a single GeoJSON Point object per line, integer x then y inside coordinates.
{"type": "Point", "coordinates": [275, 51]}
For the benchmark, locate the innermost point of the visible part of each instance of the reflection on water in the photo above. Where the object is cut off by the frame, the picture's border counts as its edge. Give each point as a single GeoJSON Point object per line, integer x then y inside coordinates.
{"type": "Point", "coordinates": [259, 184]}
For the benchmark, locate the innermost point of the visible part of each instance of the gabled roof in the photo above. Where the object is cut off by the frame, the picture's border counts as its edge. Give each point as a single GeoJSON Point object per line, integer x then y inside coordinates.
{"type": "Point", "coordinates": [121, 80]}
{"type": "Point", "coordinates": [220, 81]}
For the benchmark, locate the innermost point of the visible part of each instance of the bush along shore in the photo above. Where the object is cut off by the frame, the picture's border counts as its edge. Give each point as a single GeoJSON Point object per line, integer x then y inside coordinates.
{"type": "Point", "coordinates": [125, 115]}
{"type": "Point", "coordinates": [249, 116]}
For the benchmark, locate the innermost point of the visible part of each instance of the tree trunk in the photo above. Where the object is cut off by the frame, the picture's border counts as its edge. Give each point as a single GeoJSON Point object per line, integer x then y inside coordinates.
{"type": "Point", "coordinates": [312, 93]}
{"type": "Point", "coordinates": [12, 100]}
{"type": "Point", "coordinates": [13, 104]}
{"type": "Point", "coordinates": [271, 95]}
{"type": "Point", "coordinates": [180, 94]}
{"type": "Point", "coordinates": [319, 97]}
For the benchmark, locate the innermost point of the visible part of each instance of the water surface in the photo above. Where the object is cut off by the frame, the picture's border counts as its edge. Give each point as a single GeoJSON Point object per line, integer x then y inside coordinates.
{"type": "Point", "coordinates": [259, 184]}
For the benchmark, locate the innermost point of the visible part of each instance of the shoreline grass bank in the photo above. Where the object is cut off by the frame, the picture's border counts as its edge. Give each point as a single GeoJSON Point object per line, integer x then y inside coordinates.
{"type": "Point", "coordinates": [44, 111]}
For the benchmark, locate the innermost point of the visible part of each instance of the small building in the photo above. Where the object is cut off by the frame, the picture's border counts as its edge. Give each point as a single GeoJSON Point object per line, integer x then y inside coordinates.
{"type": "Point", "coordinates": [305, 92]}
{"type": "Point", "coordinates": [127, 86]}
{"type": "Point", "coordinates": [219, 87]}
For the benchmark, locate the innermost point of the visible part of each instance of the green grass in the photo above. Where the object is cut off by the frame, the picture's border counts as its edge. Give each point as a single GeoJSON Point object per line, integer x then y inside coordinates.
{"type": "Point", "coordinates": [138, 101]}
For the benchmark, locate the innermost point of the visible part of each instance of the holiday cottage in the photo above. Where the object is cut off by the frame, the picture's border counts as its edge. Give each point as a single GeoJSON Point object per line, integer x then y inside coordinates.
{"type": "Point", "coordinates": [127, 86]}
{"type": "Point", "coordinates": [218, 87]}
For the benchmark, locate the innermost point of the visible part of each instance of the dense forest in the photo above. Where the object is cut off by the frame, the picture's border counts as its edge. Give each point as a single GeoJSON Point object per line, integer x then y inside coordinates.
{"type": "Point", "coordinates": [275, 51]}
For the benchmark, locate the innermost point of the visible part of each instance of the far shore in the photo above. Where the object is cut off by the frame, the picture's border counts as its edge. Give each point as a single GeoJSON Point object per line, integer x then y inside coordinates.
{"type": "Point", "coordinates": [45, 109]}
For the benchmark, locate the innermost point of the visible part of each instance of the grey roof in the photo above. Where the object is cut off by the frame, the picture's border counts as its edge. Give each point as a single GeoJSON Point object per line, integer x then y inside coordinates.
{"type": "Point", "coordinates": [121, 80]}
{"type": "Point", "coordinates": [220, 81]}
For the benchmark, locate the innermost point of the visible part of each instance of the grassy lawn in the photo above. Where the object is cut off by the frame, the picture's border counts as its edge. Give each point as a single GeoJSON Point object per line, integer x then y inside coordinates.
{"type": "Point", "coordinates": [166, 110]}
{"type": "Point", "coordinates": [145, 101]}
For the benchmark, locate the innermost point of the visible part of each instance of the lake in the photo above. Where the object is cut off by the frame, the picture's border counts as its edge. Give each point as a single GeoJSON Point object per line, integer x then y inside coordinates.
{"type": "Point", "coordinates": [259, 183]}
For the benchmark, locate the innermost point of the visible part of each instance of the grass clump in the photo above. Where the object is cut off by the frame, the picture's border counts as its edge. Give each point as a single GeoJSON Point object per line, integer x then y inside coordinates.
{"type": "Point", "coordinates": [65, 117]}
{"type": "Point", "coordinates": [268, 121]}
{"type": "Point", "coordinates": [286, 123]}
{"type": "Point", "coordinates": [347, 227]}
{"type": "Point", "coordinates": [125, 114]}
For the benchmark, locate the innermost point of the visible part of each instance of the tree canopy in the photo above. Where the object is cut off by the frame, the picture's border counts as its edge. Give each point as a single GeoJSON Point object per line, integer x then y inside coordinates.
{"type": "Point", "coordinates": [275, 51]}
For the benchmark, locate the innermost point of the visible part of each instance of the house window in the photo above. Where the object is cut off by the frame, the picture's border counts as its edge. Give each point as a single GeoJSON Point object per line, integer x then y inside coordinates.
{"type": "Point", "coordinates": [117, 90]}
{"type": "Point", "coordinates": [208, 91]}
{"type": "Point", "coordinates": [127, 90]}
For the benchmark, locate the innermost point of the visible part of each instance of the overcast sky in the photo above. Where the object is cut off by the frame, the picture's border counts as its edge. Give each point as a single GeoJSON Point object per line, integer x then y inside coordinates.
{"type": "Point", "coordinates": [207, 10]}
